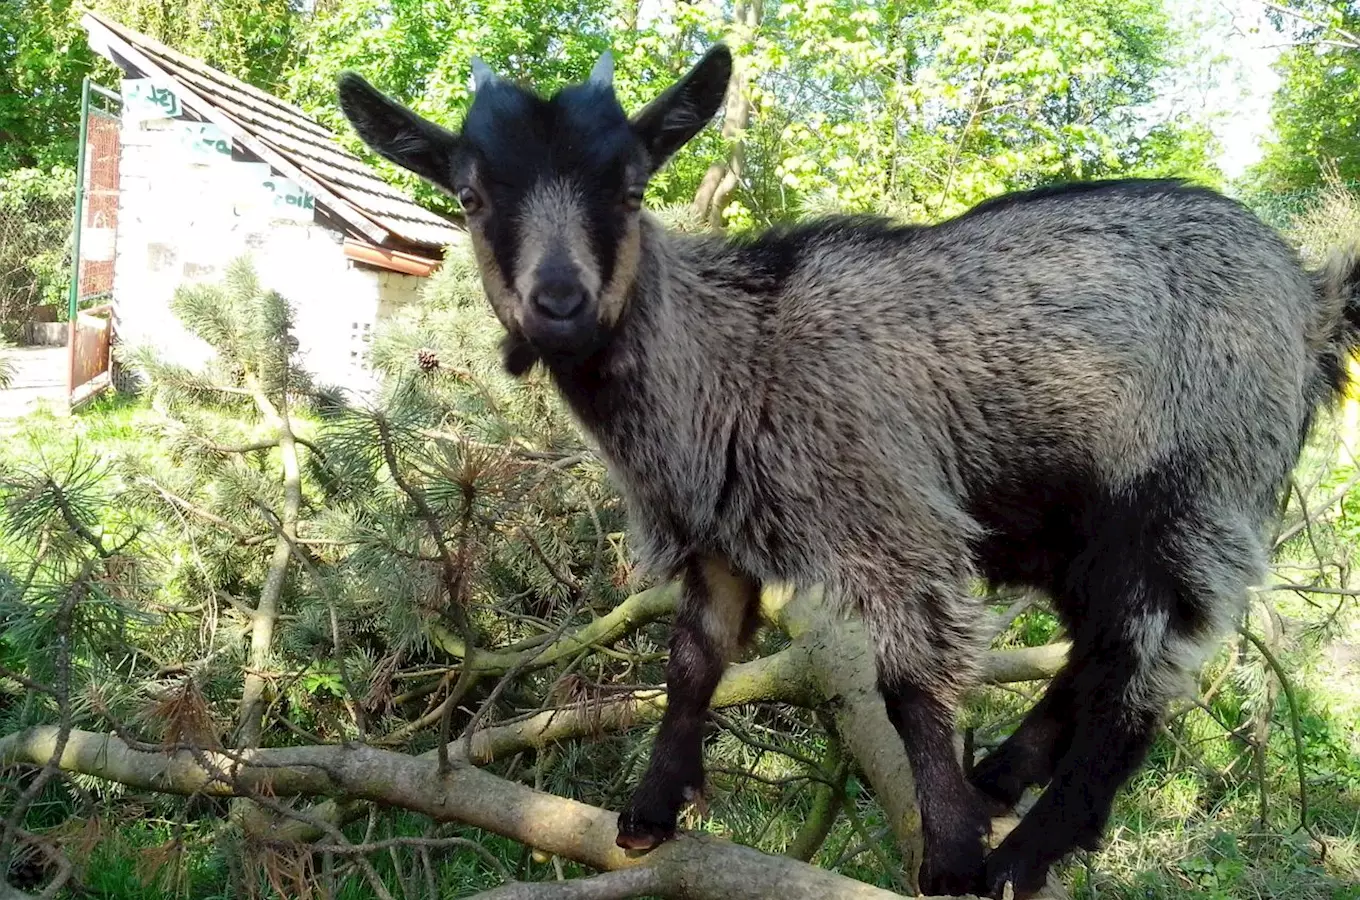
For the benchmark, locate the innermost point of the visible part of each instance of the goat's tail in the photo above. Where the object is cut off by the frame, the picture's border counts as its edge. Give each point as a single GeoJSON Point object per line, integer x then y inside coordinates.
{"type": "Point", "coordinates": [1336, 335]}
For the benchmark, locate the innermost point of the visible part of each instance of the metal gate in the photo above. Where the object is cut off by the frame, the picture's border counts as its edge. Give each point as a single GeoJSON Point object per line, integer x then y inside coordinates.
{"type": "Point", "coordinates": [93, 245]}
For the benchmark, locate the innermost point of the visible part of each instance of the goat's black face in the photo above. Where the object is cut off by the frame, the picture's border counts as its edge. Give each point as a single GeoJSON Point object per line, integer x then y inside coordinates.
{"type": "Point", "coordinates": [552, 189]}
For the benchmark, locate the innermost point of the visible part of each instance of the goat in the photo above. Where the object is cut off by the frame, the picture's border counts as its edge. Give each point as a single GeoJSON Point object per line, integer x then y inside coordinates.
{"type": "Point", "coordinates": [1096, 390]}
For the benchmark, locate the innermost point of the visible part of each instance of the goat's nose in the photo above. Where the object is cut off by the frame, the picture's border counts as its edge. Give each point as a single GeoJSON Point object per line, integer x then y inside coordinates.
{"type": "Point", "coordinates": [559, 298]}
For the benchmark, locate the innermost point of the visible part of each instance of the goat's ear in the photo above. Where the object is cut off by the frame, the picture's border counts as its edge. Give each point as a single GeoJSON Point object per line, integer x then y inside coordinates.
{"type": "Point", "coordinates": [395, 132]}
{"type": "Point", "coordinates": [682, 111]}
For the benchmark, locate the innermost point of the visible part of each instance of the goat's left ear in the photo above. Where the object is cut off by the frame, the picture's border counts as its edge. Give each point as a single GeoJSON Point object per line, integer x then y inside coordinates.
{"type": "Point", "coordinates": [395, 132]}
{"type": "Point", "coordinates": [668, 122]}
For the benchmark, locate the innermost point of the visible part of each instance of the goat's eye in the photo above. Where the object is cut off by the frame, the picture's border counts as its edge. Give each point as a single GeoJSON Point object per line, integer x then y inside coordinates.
{"type": "Point", "coordinates": [632, 196]}
{"type": "Point", "coordinates": [470, 201]}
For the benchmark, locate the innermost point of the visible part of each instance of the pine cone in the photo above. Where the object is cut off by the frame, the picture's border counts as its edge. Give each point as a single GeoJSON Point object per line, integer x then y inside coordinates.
{"type": "Point", "coordinates": [427, 359]}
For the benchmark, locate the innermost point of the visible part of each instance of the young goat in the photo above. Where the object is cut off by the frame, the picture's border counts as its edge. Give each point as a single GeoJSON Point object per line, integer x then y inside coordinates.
{"type": "Point", "coordinates": [1096, 390]}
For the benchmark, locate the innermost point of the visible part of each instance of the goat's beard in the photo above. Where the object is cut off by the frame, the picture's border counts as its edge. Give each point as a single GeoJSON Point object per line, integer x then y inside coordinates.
{"type": "Point", "coordinates": [517, 355]}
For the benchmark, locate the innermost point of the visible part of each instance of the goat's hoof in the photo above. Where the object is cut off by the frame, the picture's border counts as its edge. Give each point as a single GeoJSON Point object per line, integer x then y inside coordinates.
{"type": "Point", "coordinates": [954, 866]}
{"type": "Point", "coordinates": [640, 836]}
{"type": "Point", "coordinates": [1023, 877]}
{"type": "Point", "coordinates": [959, 874]}
{"type": "Point", "coordinates": [651, 817]}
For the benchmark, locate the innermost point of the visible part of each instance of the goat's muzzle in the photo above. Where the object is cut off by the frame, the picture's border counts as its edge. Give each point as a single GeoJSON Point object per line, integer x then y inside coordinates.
{"type": "Point", "coordinates": [560, 318]}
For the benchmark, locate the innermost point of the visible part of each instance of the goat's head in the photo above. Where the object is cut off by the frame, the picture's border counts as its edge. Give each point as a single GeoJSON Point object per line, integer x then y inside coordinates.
{"type": "Point", "coordinates": [552, 189]}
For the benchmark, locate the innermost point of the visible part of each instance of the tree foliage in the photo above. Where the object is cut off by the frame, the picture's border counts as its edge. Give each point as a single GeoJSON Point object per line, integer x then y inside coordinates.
{"type": "Point", "coordinates": [1314, 114]}
{"type": "Point", "coordinates": [43, 58]}
{"type": "Point", "coordinates": [917, 108]}
{"type": "Point", "coordinates": [923, 108]}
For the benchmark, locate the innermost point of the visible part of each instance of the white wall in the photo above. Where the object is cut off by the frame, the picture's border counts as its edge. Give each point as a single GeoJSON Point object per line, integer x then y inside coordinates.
{"type": "Point", "coordinates": [183, 216]}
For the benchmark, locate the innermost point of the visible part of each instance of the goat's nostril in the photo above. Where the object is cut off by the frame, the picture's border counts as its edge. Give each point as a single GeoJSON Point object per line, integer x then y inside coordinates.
{"type": "Point", "coordinates": [560, 301]}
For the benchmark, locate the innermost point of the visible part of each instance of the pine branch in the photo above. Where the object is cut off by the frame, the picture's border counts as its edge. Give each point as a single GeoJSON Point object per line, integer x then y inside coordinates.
{"type": "Point", "coordinates": [73, 522]}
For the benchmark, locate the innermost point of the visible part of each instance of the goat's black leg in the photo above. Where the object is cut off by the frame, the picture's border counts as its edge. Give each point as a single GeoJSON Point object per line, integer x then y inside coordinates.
{"type": "Point", "coordinates": [1029, 756]}
{"type": "Point", "coordinates": [954, 817]}
{"type": "Point", "coordinates": [1128, 656]}
{"type": "Point", "coordinates": [923, 623]}
{"type": "Point", "coordinates": [716, 612]}
{"type": "Point", "coordinates": [1111, 736]}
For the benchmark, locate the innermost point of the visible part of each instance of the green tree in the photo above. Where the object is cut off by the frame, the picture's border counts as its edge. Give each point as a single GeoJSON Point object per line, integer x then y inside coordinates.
{"type": "Point", "coordinates": [928, 108]}
{"type": "Point", "coordinates": [253, 40]}
{"type": "Point", "coordinates": [1315, 114]}
{"type": "Point", "coordinates": [421, 54]}
{"type": "Point", "coordinates": [43, 56]}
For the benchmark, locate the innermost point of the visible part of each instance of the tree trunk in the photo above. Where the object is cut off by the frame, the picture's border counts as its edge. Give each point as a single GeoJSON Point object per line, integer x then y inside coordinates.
{"type": "Point", "coordinates": [722, 178]}
{"type": "Point", "coordinates": [626, 15]}
{"type": "Point", "coordinates": [253, 693]}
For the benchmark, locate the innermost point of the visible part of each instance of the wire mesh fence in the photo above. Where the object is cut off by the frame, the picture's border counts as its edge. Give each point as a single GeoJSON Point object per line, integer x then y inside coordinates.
{"type": "Point", "coordinates": [1283, 209]}
{"type": "Point", "coordinates": [36, 212]}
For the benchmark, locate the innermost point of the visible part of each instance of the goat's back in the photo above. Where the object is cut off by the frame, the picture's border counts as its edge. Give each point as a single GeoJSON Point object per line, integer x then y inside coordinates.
{"type": "Point", "coordinates": [1113, 327]}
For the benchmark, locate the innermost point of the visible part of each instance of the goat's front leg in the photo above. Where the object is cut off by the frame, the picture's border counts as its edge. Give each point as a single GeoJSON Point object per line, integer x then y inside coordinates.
{"type": "Point", "coordinates": [716, 612]}
{"type": "Point", "coordinates": [924, 632]}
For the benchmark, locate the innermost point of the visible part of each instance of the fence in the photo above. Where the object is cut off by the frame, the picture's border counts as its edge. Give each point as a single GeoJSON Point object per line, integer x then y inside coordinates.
{"type": "Point", "coordinates": [36, 209]}
{"type": "Point", "coordinates": [1282, 210]}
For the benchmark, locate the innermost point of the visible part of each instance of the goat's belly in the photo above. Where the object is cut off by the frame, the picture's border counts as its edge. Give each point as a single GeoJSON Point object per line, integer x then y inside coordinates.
{"type": "Point", "coordinates": [775, 548]}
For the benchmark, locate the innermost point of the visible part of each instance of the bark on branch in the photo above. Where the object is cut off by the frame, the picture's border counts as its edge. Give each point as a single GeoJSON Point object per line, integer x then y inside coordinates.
{"type": "Point", "coordinates": [253, 699]}
{"type": "Point", "coordinates": [822, 643]}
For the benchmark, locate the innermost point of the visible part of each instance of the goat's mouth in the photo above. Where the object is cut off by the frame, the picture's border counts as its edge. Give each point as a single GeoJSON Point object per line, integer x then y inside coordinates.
{"type": "Point", "coordinates": [564, 339]}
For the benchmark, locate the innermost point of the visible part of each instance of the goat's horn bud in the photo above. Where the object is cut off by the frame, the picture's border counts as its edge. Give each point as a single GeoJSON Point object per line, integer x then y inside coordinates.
{"type": "Point", "coordinates": [481, 74]}
{"type": "Point", "coordinates": [603, 73]}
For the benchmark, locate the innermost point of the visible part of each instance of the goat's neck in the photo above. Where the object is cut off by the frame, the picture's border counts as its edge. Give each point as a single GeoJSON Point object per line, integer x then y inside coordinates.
{"type": "Point", "coordinates": [666, 345]}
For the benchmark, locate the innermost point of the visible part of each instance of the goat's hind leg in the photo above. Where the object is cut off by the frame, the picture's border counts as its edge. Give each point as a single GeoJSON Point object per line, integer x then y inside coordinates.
{"type": "Point", "coordinates": [717, 611]}
{"type": "Point", "coordinates": [1127, 657]}
{"type": "Point", "coordinates": [1029, 756]}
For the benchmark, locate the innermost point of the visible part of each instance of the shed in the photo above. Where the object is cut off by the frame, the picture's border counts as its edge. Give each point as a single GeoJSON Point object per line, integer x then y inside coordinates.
{"type": "Point", "coordinates": [211, 168]}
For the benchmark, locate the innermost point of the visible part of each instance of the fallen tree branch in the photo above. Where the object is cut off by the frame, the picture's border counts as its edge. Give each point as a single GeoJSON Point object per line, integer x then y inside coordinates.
{"type": "Point", "coordinates": [638, 610]}
{"type": "Point", "coordinates": [620, 885]}
{"type": "Point", "coordinates": [693, 866]}
{"type": "Point", "coordinates": [1024, 663]}
{"type": "Point", "coordinates": [843, 668]}
{"type": "Point", "coordinates": [784, 677]}
{"type": "Point", "coordinates": [781, 677]}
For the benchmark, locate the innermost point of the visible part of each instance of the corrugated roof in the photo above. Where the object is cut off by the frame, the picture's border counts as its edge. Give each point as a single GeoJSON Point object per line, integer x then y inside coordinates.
{"type": "Point", "coordinates": [289, 139]}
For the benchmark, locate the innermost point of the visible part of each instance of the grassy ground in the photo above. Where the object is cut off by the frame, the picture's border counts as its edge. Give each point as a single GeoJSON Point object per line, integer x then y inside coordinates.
{"type": "Point", "coordinates": [1189, 825]}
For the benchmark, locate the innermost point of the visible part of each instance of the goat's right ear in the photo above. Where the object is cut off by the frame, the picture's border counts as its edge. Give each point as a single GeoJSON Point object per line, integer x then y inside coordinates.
{"type": "Point", "coordinates": [395, 132]}
{"type": "Point", "coordinates": [682, 111]}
